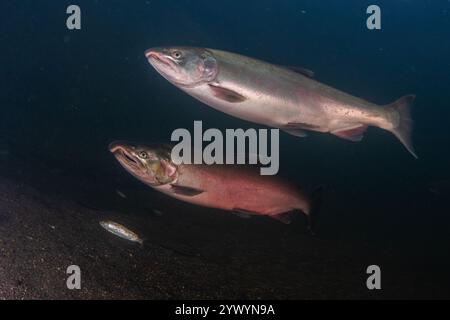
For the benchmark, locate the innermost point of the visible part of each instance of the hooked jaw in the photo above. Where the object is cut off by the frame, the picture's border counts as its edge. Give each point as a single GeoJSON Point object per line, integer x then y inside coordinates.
{"type": "Point", "coordinates": [145, 163]}
{"type": "Point", "coordinates": [153, 52]}
{"type": "Point", "coordinates": [158, 58]}
{"type": "Point", "coordinates": [123, 153]}
{"type": "Point", "coordinates": [156, 55]}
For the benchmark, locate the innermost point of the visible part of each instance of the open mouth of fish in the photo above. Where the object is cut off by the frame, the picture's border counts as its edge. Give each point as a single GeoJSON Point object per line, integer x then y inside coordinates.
{"type": "Point", "coordinates": [158, 59]}
{"type": "Point", "coordinates": [124, 157]}
{"type": "Point", "coordinates": [128, 158]}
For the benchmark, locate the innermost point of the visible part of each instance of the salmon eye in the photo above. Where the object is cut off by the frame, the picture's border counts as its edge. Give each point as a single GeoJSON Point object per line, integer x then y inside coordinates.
{"type": "Point", "coordinates": [143, 155]}
{"type": "Point", "coordinates": [176, 54]}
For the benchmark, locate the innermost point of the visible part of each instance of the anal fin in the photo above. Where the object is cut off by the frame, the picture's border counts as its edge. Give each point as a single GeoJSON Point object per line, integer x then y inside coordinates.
{"type": "Point", "coordinates": [286, 217]}
{"type": "Point", "coordinates": [354, 134]}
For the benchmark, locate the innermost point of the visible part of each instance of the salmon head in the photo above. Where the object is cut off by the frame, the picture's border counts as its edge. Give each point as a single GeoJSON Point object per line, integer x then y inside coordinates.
{"type": "Point", "coordinates": [184, 66]}
{"type": "Point", "coordinates": [150, 164]}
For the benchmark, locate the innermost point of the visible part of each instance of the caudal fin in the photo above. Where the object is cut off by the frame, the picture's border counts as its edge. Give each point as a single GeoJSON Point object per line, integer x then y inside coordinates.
{"type": "Point", "coordinates": [403, 130]}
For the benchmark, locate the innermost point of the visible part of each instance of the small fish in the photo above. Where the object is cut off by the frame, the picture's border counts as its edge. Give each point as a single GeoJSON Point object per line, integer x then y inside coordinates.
{"type": "Point", "coordinates": [121, 194]}
{"type": "Point", "coordinates": [121, 231]}
{"type": "Point", "coordinates": [4, 152]}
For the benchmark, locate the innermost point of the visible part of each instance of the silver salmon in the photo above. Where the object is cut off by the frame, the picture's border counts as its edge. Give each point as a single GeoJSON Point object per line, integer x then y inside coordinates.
{"type": "Point", "coordinates": [276, 96]}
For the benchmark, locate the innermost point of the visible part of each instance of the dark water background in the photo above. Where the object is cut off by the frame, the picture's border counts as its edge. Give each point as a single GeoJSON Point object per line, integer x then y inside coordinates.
{"type": "Point", "coordinates": [64, 95]}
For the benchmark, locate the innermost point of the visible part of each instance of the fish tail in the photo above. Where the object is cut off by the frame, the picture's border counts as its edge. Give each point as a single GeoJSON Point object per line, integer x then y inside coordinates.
{"type": "Point", "coordinates": [404, 128]}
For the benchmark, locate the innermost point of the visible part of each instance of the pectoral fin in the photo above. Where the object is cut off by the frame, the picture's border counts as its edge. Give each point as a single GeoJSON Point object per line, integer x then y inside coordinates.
{"type": "Point", "coordinates": [226, 94]}
{"type": "Point", "coordinates": [185, 191]}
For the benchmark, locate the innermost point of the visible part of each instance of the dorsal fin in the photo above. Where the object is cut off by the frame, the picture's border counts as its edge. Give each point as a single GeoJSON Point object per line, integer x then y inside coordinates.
{"type": "Point", "coordinates": [303, 71]}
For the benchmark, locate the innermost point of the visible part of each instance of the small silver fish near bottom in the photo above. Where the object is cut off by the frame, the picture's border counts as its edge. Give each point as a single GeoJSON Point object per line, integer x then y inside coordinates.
{"type": "Point", "coordinates": [121, 231]}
